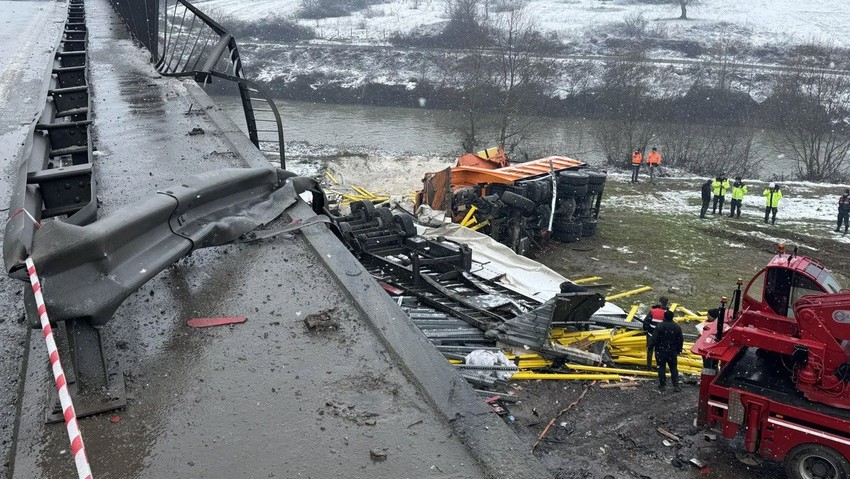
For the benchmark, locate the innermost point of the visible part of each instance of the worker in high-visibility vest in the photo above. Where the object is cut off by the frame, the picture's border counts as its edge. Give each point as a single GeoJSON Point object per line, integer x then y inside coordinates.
{"type": "Point", "coordinates": [653, 319]}
{"type": "Point", "coordinates": [637, 159]}
{"type": "Point", "coordinates": [739, 190]}
{"type": "Point", "coordinates": [720, 187]}
{"type": "Point", "coordinates": [654, 161]}
{"type": "Point", "coordinates": [772, 194]}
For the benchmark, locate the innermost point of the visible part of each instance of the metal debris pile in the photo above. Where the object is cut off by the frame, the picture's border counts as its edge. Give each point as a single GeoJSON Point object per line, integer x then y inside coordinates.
{"type": "Point", "coordinates": [466, 314]}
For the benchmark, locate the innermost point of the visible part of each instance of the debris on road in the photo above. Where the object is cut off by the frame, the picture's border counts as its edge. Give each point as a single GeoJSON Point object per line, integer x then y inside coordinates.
{"type": "Point", "coordinates": [208, 322]}
{"type": "Point", "coordinates": [321, 321]}
{"type": "Point", "coordinates": [378, 455]}
{"type": "Point", "coordinates": [668, 434]}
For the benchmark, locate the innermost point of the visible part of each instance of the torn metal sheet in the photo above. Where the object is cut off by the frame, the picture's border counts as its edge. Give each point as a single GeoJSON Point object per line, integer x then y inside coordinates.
{"type": "Point", "coordinates": [88, 271]}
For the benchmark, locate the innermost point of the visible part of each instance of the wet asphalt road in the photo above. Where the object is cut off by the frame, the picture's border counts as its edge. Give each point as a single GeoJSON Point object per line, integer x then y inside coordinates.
{"type": "Point", "coordinates": [265, 398]}
{"type": "Point", "coordinates": [28, 32]}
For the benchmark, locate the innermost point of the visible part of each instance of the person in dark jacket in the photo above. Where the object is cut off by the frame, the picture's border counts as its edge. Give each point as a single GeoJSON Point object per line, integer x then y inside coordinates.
{"type": "Point", "coordinates": [706, 198]}
{"type": "Point", "coordinates": [668, 344]}
{"type": "Point", "coordinates": [652, 319]}
{"type": "Point", "coordinates": [843, 210]}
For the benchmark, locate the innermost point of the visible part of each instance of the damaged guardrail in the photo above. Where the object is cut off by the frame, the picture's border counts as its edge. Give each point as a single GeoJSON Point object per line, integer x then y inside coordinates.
{"type": "Point", "coordinates": [89, 270]}
{"type": "Point", "coordinates": [188, 42]}
{"type": "Point", "coordinates": [55, 175]}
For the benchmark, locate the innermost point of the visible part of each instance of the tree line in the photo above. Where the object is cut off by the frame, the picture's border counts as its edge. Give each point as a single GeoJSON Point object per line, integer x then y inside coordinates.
{"type": "Point", "coordinates": [506, 74]}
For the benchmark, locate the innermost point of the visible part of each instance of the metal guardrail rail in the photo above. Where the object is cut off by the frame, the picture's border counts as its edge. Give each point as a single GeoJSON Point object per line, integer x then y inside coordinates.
{"type": "Point", "coordinates": [187, 42]}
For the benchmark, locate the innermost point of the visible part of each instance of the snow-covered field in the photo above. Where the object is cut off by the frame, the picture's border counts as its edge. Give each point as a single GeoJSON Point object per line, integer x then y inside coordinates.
{"type": "Point", "coordinates": [760, 22]}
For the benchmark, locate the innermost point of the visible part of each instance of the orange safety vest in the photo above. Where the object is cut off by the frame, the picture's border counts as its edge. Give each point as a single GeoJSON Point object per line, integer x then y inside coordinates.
{"type": "Point", "coordinates": [657, 314]}
{"type": "Point", "coordinates": [637, 158]}
{"type": "Point", "coordinates": [654, 158]}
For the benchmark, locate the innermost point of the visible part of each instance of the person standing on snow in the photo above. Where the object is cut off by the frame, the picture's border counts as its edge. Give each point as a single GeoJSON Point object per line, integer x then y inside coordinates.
{"type": "Point", "coordinates": [843, 210]}
{"type": "Point", "coordinates": [772, 194]}
{"type": "Point", "coordinates": [706, 197]}
{"type": "Point", "coordinates": [668, 345]}
{"type": "Point", "coordinates": [654, 161]}
{"type": "Point", "coordinates": [739, 190]}
{"type": "Point", "coordinates": [637, 159]}
{"type": "Point", "coordinates": [653, 319]}
{"type": "Point", "coordinates": [720, 186]}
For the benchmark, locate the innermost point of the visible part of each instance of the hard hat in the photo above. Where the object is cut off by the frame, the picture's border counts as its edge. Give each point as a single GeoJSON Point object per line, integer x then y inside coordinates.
{"type": "Point", "coordinates": [772, 185]}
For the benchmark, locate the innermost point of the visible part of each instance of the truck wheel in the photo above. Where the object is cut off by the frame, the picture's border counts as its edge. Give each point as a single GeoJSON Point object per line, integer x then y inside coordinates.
{"type": "Point", "coordinates": [572, 178]}
{"type": "Point", "coordinates": [814, 461]}
{"type": "Point", "coordinates": [385, 215]}
{"type": "Point", "coordinates": [366, 206]}
{"type": "Point", "coordinates": [571, 191]}
{"type": "Point", "coordinates": [519, 202]}
{"type": "Point", "coordinates": [404, 225]}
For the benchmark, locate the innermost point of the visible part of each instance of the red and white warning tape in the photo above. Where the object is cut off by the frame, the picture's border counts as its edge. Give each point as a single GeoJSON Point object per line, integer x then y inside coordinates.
{"type": "Point", "coordinates": [77, 447]}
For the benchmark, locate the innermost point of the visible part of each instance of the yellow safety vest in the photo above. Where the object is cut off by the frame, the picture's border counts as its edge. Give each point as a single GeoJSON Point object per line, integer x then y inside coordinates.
{"type": "Point", "coordinates": [738, 192]}
{"type": "Point", "coordinates": [771, 197]}
{"type": "Point", "coordinates": [720, 188]}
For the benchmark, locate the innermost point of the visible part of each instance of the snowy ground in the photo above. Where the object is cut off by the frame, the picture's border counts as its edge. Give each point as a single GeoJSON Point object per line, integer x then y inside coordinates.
{"type": "Point", "coordinates": [760, 21]}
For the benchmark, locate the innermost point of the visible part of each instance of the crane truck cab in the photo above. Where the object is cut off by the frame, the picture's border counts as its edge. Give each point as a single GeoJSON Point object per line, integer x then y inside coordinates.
{"type": "Point", "coordinates": [777, 368]}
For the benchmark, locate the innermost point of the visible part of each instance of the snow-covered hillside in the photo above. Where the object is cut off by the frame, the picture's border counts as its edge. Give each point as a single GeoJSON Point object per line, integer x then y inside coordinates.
{"type": "Point", "coordinates": [761, 22]}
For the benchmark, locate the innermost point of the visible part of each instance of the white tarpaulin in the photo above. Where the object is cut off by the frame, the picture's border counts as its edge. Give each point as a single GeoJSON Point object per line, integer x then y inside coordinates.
{"type": "Point", "coordinates": [495, 261]}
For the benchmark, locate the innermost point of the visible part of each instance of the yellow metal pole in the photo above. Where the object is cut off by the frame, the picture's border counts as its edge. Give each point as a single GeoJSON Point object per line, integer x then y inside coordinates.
{"type": "Point", "coordinates": [604, 370]}
{"type": "Point", "coordinates": [626, 294]}
{"type": "Point", "coordinates": [586, 280]}
{"type": "Point", "coordinates": [469, 214]}
{"type": "Point", "coordinates": [566, 376]}
{"type": "Point", "coordinates": [632, 313]}
{"type": "Point", "coordinates": [331, 177]}
{"type": "Point", "coordinates": [480, 225]}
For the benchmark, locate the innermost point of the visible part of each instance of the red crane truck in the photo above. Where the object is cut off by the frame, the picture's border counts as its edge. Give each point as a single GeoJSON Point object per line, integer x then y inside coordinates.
{"type": "Point", "coordinates": [777, 368]}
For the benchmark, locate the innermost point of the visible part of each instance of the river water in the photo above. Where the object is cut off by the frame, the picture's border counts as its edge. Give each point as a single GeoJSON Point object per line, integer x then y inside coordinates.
{"type": "Point", "coordinates": [411, 131]}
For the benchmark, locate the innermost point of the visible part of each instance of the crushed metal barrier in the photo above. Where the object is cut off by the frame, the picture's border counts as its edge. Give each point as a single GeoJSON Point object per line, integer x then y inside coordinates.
{"type": "Point", "coordinates": [186, 42]}
{"type": "Point", "coordinates": [106, 261]}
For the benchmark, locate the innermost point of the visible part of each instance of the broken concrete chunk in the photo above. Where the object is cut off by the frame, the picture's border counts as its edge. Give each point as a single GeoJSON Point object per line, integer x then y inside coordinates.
{"type": "Point", "coordinates": [378, 455]}
{"type": "Point", "coordinates": [321, 321]}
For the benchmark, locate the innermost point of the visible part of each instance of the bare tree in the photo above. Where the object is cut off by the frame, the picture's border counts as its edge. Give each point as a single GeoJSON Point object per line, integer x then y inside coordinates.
{"type": "Point", "coordinates": [623, 98]}
{"type": "Point", "coordinates": [709, 149]}
{"type": "Point", "coordinates": [521, 73]}
{"type": "Point", "coordinates": [501, 80]}
{"type": "Point", "coordinates": [683, 4]}
{"type": "Point", "coordinates": [813, 121]}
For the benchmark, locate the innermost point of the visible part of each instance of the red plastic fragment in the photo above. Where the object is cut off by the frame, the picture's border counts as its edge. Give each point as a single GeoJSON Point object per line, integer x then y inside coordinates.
{"type": "Point", "coordinates": [207, 322]}
{"type": "Point", "coordinates": [114, 419]}
{"type": "Point", "coordinates": [390, 288]}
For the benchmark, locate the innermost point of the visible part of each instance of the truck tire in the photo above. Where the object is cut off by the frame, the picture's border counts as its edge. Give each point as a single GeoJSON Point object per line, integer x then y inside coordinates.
{"type": "Point", "coordinates": [814, 461]}
{"type": "Point", "coordinates": [572, 178]}
{"type": "Point", "coordinates": [566, 232]}
{"type": "Point", "coordinates": [404, 224]}
{"type": "Point", "coordinates": [595, 188]}
{"type": "Point", "coordinates": [596, 177]}
{"type": "Point", "coordinates": [519, 202]}
{"type": "Point", "coordinates": [571, 191]}
{"type": "Point", "coordinates": [385, 216]}
{"type": "Point", "coordinates": [367, 208]}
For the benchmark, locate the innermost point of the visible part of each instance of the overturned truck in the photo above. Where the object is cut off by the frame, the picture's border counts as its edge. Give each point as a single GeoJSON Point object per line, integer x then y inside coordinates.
{"type": "Point", "coordinates": [521, 205]}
